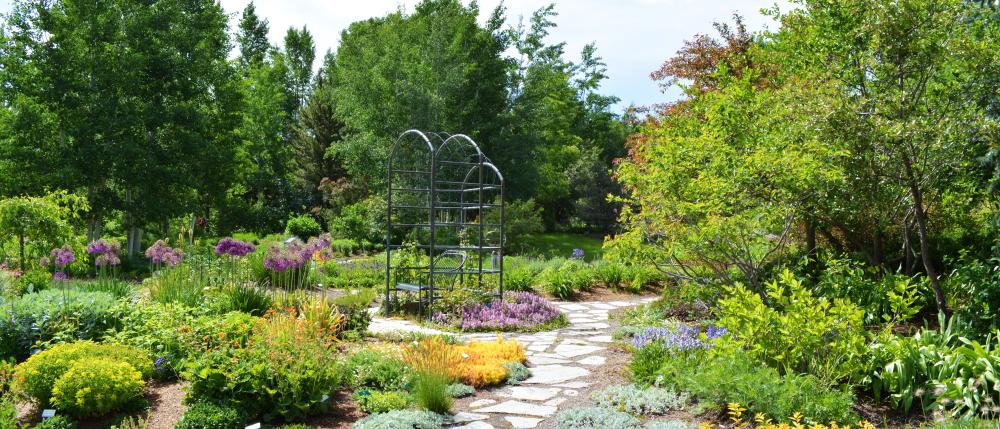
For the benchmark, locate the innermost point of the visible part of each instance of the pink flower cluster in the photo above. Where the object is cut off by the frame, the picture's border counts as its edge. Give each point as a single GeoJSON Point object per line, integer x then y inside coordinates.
{"type": "Point", "coordinates": [233, 247]}
{"type": "Point", "coordinates": [62, 256]}
{"type": "Point", "coordinates": [107, 252]}
{"type": "Point", "coordinates": [294, 255]}
{"type": "Point", "coordinates": [518, 310]}
{"type": "Point", "coordinates": [161, 253]}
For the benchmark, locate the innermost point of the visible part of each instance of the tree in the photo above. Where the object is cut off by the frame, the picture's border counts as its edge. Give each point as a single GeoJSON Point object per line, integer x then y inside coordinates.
{"type": "Point", "coordinates": [252, 37]}
{"type": "Point", "coordinates": [45, 220]}
{"type": "Point", "coordinates": [300, 53]}
{"type": "Point", "coordinates": [317, 129]}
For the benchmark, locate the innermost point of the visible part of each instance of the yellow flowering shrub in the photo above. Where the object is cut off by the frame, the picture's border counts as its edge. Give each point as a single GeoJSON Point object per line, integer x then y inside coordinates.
{"type": "Point", "coordinates": [96, 386]}
{"type": "Point", "coordinates": [482, 362]}
{"type": "Point", "coordinates": [478, 364]}
{"type": "Point", "coordinates": [760, 421]}
{"type": "Point", "coordinates": [36, 376]}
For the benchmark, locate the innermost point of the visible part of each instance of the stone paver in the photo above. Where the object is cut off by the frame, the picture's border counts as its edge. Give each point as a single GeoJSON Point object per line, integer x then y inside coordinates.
{"type": "Point", "coordinates": [558, 360]}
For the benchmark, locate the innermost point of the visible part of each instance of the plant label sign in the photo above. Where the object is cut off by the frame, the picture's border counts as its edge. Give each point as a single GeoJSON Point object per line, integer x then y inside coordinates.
{"type": "Point", "coordinates": [48, 414]}
{"type": "Point", "coordinates": [254, 426]}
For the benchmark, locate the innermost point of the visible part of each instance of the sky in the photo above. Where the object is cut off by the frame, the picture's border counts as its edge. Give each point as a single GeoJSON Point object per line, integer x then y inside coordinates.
{"type": "Point", "coordinates": [633, 37]}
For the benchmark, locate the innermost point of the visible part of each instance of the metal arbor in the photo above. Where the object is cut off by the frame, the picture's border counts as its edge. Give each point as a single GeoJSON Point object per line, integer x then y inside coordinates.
{"type": "Point", "coordinates": [445, 198]}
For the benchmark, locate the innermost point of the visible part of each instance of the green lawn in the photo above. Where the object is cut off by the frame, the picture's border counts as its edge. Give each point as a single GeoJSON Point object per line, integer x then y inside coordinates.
{"type": "Point", "coordinates": [562, 244]}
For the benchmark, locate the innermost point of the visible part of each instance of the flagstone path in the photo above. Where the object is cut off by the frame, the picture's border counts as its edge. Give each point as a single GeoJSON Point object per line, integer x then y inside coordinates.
{"type": "Point", "coordinates": [563, 365]}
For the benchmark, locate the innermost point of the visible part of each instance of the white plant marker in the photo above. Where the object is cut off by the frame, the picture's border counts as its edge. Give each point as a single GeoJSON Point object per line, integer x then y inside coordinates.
{"type": "Point", "coordinates": [254, 426]}
{"type": "Point", "coordinates": [48, 414]}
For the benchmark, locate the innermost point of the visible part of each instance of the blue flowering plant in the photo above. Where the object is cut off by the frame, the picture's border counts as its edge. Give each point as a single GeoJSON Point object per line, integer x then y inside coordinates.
{"type": "Point", "coordinates": [658, 352]}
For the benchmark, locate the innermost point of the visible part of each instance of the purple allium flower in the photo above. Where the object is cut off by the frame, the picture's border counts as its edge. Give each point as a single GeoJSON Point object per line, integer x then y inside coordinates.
{"type": "Point", "coordinates": [107, 252]}
{"type": "Point", "coordinates": [680, 338]}
{"type": "Point", "coordinates": [44, 261]}
{"type": "Point", "coordinates": [233, 247]}
{"type": "Point", "coordinates": [517, 310]}
{"type": "Point", "coordinates": [161, 253]}
{"type": "Point", "coordinates": [577, 254]}
{"type": "Point", "coordinates": [63, 256]}
{"type": "Point", "coordinates": [292, 256]}
{"type": "Point", "coordinates": [59, 275]}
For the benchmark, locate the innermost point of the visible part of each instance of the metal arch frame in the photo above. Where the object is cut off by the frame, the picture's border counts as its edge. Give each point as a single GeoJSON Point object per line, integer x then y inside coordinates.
{"type": "Point", "coordinates": [475, 181]}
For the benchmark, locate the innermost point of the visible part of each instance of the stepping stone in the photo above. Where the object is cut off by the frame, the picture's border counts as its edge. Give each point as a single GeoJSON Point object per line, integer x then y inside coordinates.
{"type": "Point", "coordinates": [578, 321]}
{"type": "Point", "coordinates": [592, 360]}
{"type": "Point", "coordinates": [523, 422]}
{"type": "Point", "coordinates": [481, 403]}
{"type": "Point", "coordinates": [595, 326]}
{"type": "Point", "coordinates": [553, 374]}
{"type": "Point", "coordinates": [571, 393]}
{"type": "Point", "coordinates": [475, 425]}
{"type": "Point", "coordinates": [575, 341]}
{"type": "Point", "coordinates": [601, 338]}
{"type": "Point", "coordinates": [603, 306]}
{"type": "Point", "coordinates": [574, 385]}
{"type": "Point", "coordinates": [538, 347]}
{"type": "Point", "coordinates": [531, 393]}
{"type": "Point", "coordinates": [573, 307]}
{"type": "Point", "coordinates": [541, 360]}
{"type": "Point", "coordinates": [523, 408]}
{"type": "Point", "coordinates": [573, 350]}
{"type": "Point", "coordinates": [555, 402]}
{"type": "Point", "coordinates": [464, 417]}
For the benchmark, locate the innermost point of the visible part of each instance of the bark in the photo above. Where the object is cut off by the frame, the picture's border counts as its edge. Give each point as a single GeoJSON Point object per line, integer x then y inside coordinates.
{"type": "Point", "coordinates": [811, 241]}
{"type": "Point", "coordinates": [920, 216]}
{"type": "Point", "coordinates": [20, 241]}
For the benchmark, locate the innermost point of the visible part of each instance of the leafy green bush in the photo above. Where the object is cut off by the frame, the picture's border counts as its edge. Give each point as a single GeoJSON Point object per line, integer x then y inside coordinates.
{"type": "Point", "coordinates": [247, 298]}
{"type": "Point", "coordinates": [354, 306]}
{"type": "Point", "coordinates": [459, 390]}
{"type": "Point", "coordinates": [35, 280]}
{"type": "Point", "coordinates": [204, 415]}
{"type": "Point", "coordinates": [132, 422]}
{"type": "Point", "coordinates": [724, 376]}
{"type": "Point", "coordinates": [363, 222]}
{"type": "Point", "coordinates": [39, 375]}
{"type": "Point", "coordinates": [284, 371]}
{"type": "Point", "coordinates": [976, 286]}
{"type": "Point", "coordinates": [376, 401]}
{"type": "Point", "coordinates": [303, 226]}
{"type": "Point", "coordinates": [8, 412]}
{"type": "Point", "coordinates": [114, 287]}
{"type": "Point", "coordinates": [181, 284]}
{"type": "Point", "coordinates": [401, 419]}
{"type": "Point", "coordinates": [34, 320]}
{"type": "Point", "coordinates": [368, 369]}
{"type": "Point", "coordinates": [355, 274]}
{"type": "Point", "coordinates": [96, 386]}
{"type": "Point", "coordinates": [521, 219]}
{"type": "Point", "coordinates": [885, 298]}
{"type": "Point", "coordinates": [591, 418]}
{"type": "Point", "coordinates": [173, 333]}
{"type": "Point", "coordinates": [57, 422]}
{"type": "Point", "coordinates": [799, 332]}
{"type": "Point", "coordinates": [640, 401]}
{"type": "Point", "coordinates": [939, 370]}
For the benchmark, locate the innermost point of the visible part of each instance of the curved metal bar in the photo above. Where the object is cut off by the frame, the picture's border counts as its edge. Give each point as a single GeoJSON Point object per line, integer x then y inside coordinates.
{"type": "Point", "coordinates": [467, 140]}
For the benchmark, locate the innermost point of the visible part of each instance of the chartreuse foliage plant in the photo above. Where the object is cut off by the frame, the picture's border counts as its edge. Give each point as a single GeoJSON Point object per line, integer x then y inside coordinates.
{"type": "Point", "coordinates": [96, 386]}
{"type": "Point", "coordinates": [204, 415]}
{"type": "Point", "coordinates": [796, 332]}
{"type": "Point", "coordinates": [40, 375]}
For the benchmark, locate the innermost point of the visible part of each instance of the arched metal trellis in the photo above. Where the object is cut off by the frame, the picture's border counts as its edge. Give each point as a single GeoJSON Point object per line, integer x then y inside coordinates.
{"type": "Point", "coordinates": [445, 201]}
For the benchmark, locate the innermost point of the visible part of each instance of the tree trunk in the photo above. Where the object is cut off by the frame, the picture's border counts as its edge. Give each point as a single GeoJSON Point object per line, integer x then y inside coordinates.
{"type": "Point", "coordinates": [810, 241]}
{"type": "Point", "coordinates": [907, 249]}
{"type": "Point", "coordinates": [20, 241]}
{"type": "Point", "coordinates": [920, 216]}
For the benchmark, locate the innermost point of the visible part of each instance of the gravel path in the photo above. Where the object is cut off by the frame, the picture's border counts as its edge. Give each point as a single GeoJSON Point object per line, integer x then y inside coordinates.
{"type": "Point", "coordinates": [566, 365]}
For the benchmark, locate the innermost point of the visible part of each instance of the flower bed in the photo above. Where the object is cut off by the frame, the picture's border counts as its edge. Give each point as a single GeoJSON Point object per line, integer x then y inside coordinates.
{"type": "Point", "coordinates": [517, 311]}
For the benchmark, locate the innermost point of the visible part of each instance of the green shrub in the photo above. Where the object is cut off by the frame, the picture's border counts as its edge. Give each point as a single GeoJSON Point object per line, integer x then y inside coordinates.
{"type": "Point", "coordinates": [203, 415]}
{"type": "Point", "coordinates": [594, 418]}
{"type": "Point", "coordinates": [35, 280]}
{"type": "Point", "coordinates": [57, 422]}
{"type": "Point", "coordinates": [363, 222]}
{"type": "Point", "coordinates": [181, 284]}
{"type": "Point", "coordinates": [516, 372]}
{"type": "Point", "coordinates": [732, 376]}
{"type": "Point", "coordinates": [354, 306]}
{"type": "Point", "coordinates": [368, 369]}
{"type": "Point", "coordinates": [521, 219]}
{"type": "Point", "coordinates": [303, 226]}
{"type": "Point", "coordinates": [798, 332]}
{"type": "Point", "coordinates": [96, 386]}
{"type": "Point", "coordinates": [32, 321]}
{"type": "Point", "coordinates": [114, 287]}
{"type": "Point", "coordinates": [459, 390]}
{"type": "Point", "coordinates": [247, 298]}
{"type": "Point", "coordinates": [610, 274]}
{"type": "Point", "coordinates": [884, 297]}
{"type": "Point", "coordinates": [284, 371]}
{"type": "Point", "coordinates": [376, 401]}
{"type": "Point", "coordinates": [132, 422]}
{"type": "Point", "coordinates": [937, 370]}
{"type": "Point", "coordinates": [401, 419]}
{"type": "Point", "coordinates": [8, 412]}
{"type": "Point", "coordinates": [38, 376]}
{"type": "Point", "coordinates": [976, 285]}
{"type": "Point", "coordinates": [173, 333]}
{"type": "Point", "coordinates": [640, 401]}
{"type": "Point", "coordinates": [518, 277]}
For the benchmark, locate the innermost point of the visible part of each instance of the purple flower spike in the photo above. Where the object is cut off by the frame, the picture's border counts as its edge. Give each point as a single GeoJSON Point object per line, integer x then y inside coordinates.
{"type": "Point", "coordinates": [233, 247]}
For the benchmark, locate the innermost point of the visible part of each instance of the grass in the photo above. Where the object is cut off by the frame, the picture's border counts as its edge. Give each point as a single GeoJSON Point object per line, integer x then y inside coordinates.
{"type": "Point", "coordinates": [562, 244]}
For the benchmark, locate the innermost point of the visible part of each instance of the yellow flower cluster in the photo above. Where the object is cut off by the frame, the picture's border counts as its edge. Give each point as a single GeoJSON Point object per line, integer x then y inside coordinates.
{"type": "Point", "coordinates": [479, 363]}
{"type": "Point", "coordinates": [760, 421]}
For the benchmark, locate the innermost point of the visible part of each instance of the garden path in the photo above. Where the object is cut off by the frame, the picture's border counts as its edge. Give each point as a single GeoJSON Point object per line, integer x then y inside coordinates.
{"type": "Point", "coordinates": [565, 364]}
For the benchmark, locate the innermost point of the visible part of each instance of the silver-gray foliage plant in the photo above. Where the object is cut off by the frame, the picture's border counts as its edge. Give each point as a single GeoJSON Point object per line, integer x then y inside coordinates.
{"type": "Point", "coordinates": [401, 419]}
{"type": "Point", "coordinates": [640, 401]}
